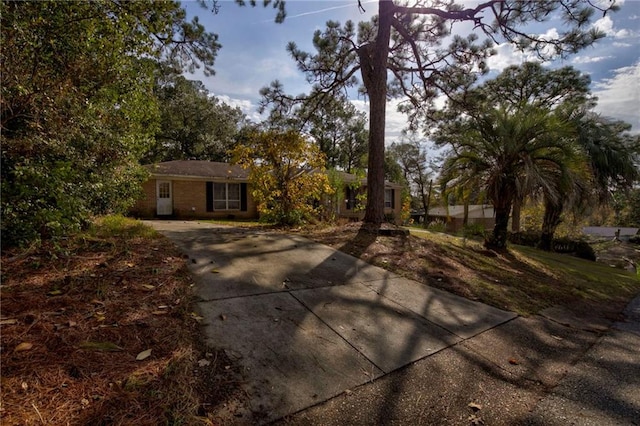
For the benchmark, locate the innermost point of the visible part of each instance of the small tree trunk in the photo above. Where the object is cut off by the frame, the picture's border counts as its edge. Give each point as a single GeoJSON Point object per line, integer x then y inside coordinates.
{"type": "Point", "coordinates": [550, 222]}
{"type": "Point", "coordinates": [499, 237]}
{"type": "Point", "coordinates": [515, 215]}
{"type": "Point", "coordinates": [465, 217]}
{"type": "Point", "coordinates": [425, 200]}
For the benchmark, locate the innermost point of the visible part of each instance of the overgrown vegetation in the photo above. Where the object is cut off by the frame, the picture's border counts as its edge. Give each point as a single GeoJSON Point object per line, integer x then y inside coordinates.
{"type": "Point", "coordinates": [77, 106]}
{"type": "Point", "coordinates": [74, 319]}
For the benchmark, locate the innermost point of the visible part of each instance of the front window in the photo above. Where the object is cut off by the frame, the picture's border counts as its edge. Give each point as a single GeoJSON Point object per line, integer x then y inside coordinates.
{"type": "Point", "coordinates": [388, 198]}
{"type": "Point", "coordinates": [226, 196]}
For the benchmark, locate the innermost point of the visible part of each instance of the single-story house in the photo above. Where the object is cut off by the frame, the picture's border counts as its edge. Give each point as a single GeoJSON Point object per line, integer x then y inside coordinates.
{"type": "Point", "coordinates": [196, 189]}
{"type": "Point", "coordinates": [453, 216]}
{"type": "Point", "coordinates": [207, 189]}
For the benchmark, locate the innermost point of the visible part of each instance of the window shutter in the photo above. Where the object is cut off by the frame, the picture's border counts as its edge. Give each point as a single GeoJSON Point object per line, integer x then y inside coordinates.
{"type": "Point", "coordinates": [243, 197]}
{"type": "Point", "coordinates": [209, 196]}
{"type": "Point", "coordinates": [348, 197]}
{"type": "Point", "coordinates": [393, 198]}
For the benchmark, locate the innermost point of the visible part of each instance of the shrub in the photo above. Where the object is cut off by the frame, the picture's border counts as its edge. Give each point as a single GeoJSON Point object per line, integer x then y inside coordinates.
{"type": "Point", "coordinates": [436, 226]}
{"type": "Point", "coordinates": [473, 230]}
{"type": "Point", "coordinates": [579, 248]}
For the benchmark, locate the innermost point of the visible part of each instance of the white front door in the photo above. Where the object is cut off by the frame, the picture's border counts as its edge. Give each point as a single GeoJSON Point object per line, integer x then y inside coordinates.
{"type": "Point", "coordinates": [164, 198]}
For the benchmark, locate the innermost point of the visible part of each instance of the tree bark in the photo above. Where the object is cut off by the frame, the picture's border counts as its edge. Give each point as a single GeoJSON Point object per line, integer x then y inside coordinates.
{"type": "Point", "coordinates": [499, 237]}
{"type": "Point", "coordinates": [515, 215]}
{"type": "Point", "coordinates": [373, 61]}
{"type": "Point", "coordinates": [550, 222]}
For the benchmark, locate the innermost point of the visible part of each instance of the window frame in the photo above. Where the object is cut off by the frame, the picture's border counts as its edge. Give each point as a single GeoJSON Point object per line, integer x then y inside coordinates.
{"type": "Point", "coordinates": [388, 204]}
{"type": "Point", "coordinates": [226, 200]}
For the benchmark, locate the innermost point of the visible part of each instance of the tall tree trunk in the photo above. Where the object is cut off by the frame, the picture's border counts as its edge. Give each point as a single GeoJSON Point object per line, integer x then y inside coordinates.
{"type": "Point", "coordinates": [373, 65]}
{"type": "Point", "coordinates": [499, 237]}
{"type": "Point", "coordinates": [515, 215]}
{"type": "Point", "coordinates": [550, 222]}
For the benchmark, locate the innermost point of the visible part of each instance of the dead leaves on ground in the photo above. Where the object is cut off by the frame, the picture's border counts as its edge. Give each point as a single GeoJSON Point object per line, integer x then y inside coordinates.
{"type": "Point", "coordinates": [80, 329]}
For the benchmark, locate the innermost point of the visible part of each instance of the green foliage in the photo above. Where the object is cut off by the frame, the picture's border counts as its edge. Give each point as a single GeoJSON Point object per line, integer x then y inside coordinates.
{"type": "Point", "coordinates": [631, 211]}
{"type": "Point", "coordinates": [193, 124]}
{"type": "Point", "coordinates": [77, 106]}
{"type": "Point", "coordinates": [436, 226]}
{"type": "Point", "coordinates": [287, 175]}
{"type": "Point", "coordinates": [473, 230]}
{"type": "Point", "coordinates": [332, 121]}
{"type": "Point", "coordinates": [120, 226]}
{"type": "Point", "coordinates": [577, 247]}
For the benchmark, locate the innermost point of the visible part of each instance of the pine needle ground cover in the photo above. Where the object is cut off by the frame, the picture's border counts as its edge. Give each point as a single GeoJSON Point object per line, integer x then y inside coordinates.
{"type": "Point", "coordinates": [99, 330]}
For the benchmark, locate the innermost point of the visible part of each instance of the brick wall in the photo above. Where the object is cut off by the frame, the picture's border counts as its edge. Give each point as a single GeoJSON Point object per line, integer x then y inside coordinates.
{"type": "Point", "coordinates": [189, 201]}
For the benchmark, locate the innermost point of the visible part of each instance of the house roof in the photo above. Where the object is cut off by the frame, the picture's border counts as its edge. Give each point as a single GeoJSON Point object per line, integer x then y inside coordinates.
{"type": "Point", "coordinates": [199, 169]}
{"type": "Point", "coordinates": [212, 169]}
{"type": "Point", "coordinates": [475, 211]}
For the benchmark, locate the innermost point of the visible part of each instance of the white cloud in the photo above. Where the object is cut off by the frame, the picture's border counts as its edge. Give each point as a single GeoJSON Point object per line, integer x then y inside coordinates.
{"type": "Point", "coordinates": [396, 122]}
{"type": "Point", "coordinates": [621, 44]}
{"type": "Point", "coordinates": [590, 59]}
{"type": "Point", "coordinates": [245, 105]}
{"type": "Point", "coordinates": [507, 55]}
{"type": "Point", "coordinates": [605, 24]}
{"type": "Point", "coordinates": [619, 96]}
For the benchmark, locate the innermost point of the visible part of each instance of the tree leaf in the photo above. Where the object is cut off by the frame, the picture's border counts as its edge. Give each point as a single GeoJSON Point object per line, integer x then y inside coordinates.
{"type": "Point", "coordinates": [143, 355]}
{"type": "Point", "coordinates": [24, 346]}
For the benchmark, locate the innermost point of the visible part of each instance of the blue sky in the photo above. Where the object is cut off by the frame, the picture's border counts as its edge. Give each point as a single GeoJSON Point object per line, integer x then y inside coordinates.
{"type": "Point", "coordinates": [254, 53]}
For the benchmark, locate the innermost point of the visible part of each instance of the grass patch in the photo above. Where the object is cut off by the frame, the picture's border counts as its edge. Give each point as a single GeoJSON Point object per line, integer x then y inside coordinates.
{"type": "Point", "coordinates": [238, 223]}
{"type": "Point", "coordinates": [76, 316]}
{"type": "Point", "coordinates": [523, 280]}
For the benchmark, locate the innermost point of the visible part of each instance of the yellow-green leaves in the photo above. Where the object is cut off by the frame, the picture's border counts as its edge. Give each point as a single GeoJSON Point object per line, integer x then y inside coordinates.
{"type": "Point", "coordinates": [287, 175]}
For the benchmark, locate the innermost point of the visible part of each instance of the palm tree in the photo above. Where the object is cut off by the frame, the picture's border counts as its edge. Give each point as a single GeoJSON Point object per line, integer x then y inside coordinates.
{"type": "Point", "coordinates": [609, 161]}
{"type": "Point", "coordinates": [508, 152]}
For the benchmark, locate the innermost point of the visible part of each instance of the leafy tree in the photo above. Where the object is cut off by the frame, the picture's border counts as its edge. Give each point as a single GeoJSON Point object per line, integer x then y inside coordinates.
{"type": "Point", "coordinates": [193, 124]}
{"type": "Point", "coordinates": [613, 152]}
{"type": "Point", "coordinates": [287, 173]}
{"type": "Point", "coordinates": [565, 89]}
{"type": "Point", "coordinates": [339, 129]}
{"type": "Point", "coordinates": [509, 153]}
{"type": "Point", "coordinates": [630, 213]}
{"type": "Point", "coordinates": [413, 159]}
{"type": "Point", "coordinates": [408, 44]}
{"type": "Point", "coordinates": [333, 122]}
{"type": "Point", "coordinates": [77, 107]}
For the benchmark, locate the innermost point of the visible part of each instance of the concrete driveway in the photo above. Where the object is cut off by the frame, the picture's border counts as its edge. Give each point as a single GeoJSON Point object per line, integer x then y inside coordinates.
{"type": "Point", "coordinates": [307, 322]}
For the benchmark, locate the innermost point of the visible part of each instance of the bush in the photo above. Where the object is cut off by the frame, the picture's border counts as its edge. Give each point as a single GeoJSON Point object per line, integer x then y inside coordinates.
{"type": "Point", "coordinates": [436, 226]}
{"type": "Point", "coordinates": [578, 248]}
{"type": "Point", "coordinates": [473, 230]}
{"type": "Point", "coordinates": [526, 238]}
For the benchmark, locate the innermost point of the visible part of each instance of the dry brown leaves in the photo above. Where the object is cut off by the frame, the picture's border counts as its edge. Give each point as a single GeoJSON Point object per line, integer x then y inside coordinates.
{"type": "Point", "coordinates": [73, 325]}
